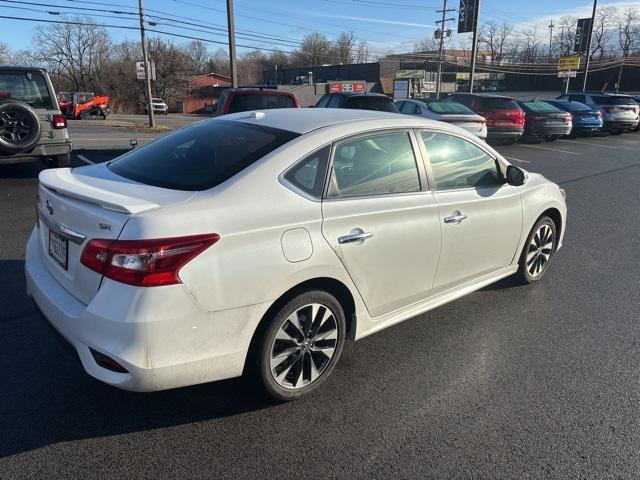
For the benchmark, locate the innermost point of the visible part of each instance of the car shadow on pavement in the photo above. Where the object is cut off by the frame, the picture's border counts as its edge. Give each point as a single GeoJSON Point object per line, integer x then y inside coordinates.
{"type": "Point", "coordinates": [47, 398]}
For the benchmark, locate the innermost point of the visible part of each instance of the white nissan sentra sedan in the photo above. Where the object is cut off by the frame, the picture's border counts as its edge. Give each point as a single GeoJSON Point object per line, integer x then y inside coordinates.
{"type": "Point", "coordinates": [260, 241]}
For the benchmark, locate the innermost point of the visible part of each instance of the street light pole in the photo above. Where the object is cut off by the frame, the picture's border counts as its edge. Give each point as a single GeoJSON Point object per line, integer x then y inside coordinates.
{"type": "Point", "coordinates": [233, 70]}
{"type": "Point", "coordinates": [474, 46]}
{"type": "Point", "coordinates": [586, 63]}
{"type": "Point", "coordinates": [147, 66]}
{"type": "Point", "coordinates": [551, 25]}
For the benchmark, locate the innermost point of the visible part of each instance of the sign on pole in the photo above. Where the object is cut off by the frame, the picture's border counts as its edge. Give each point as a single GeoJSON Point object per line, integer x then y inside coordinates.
{"type": "Point", "coordinates": [569, 63]}
{"type": "Point", "coordinates": [140, 70]}
{"type": "Point", "coordinates": [400, 89]}
{"type": "Point", "coordinates": [582, 35]}
{"type": "Point", "coordinates": [466, 15]}
{"type": "Point", "coordinates": [567, 74]}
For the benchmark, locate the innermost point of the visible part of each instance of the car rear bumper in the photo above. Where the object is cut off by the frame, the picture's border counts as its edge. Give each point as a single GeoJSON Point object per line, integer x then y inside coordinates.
{"type": "Point", "coordinates": [546, 130]}
{"type": "Point", "coordinates": [496, 133]}
{"type": "Point", "coordinates": [160, 335]}
{"type": "Point", "coordinates": [619, 124]}
{"type": "Point", "coordinates": [44, 150]}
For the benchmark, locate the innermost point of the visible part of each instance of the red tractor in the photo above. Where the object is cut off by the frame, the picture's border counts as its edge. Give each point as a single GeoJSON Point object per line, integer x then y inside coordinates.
{"type": "Point", "coordinates": [83, 105]}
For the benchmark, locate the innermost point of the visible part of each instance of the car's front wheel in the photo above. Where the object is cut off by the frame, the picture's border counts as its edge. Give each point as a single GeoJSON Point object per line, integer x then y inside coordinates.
{"type": "Point", "coordinates": [301, 345]}
{"type": "Point", "coordinates": [538, 250]}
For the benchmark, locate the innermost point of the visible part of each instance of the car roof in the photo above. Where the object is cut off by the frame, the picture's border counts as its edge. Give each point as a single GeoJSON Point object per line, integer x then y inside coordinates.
{"type": "Point", "coordinates": [360, 94]}
{"type": "Point", "coordinates": [484, 95]}
{"type": "Point", "coordinates": [21, 68]}
{"type": "Point", "coordinates": [304, 120]}
{"type": "Point", "coordinates": [258, 91]}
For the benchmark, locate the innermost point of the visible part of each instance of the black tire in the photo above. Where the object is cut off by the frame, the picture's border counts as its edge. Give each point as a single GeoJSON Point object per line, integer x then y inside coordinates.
{"type": "Point", "coordinates": [302, 353]}
{"type": "Point", "coordinates": [550, 138]}
{"type": "Point", "coordinates": [58, 161]}
{"type": "Point", "coordinates": [617, 132]}
{"type": "Point", "coordinates": [528, 271]}
{"type": "Point", "coordinates": [19, 127]}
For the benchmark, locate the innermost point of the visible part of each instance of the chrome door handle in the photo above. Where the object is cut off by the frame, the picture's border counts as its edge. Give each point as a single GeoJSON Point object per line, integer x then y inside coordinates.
{"type": "Point", "coordinates": [456, 218]}
{"type": "Point", "coordinates": [354, 237]}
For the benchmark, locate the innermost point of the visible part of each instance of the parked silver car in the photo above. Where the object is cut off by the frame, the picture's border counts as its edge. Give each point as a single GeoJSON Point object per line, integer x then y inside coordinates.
{"type": "Point", "coordinates": [31, 123]}
{"type": "Point", "coordinates": [450, 112]}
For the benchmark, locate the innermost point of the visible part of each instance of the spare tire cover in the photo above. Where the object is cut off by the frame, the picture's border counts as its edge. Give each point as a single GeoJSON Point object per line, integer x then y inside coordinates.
{"type": "Point", "coordinates": [19, 127]}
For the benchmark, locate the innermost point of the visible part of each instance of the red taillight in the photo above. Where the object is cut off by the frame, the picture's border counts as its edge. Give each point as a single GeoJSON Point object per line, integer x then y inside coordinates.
{"type": "Point", "coordinates": [569, 118]}
{"type": "Point", "coordinates": [608, 109]}
{"type": "Point", "coordinates": [59, 121]}
{"type": "Point", "coordinates": [144, 263]}
{"type": "Point", "coordinates": [37, 210]}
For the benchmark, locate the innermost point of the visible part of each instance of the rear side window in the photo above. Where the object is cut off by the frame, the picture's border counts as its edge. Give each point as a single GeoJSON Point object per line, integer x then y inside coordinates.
{"type": "Point", "coordinates": [243, 103]}
{"type": "Point", "coordinates": [32, 91]}
{"type": "Point", "coordinates": [408, 107]}
{"type": "Point", "coordinates": [309, 174]}
{"type": "Point", "coordinates": [201, 156]}
{"type": "Point", "coordinates": [363, 102]}
{"type": "Point", "coordinates": [496, 103]}
{"type": "Point", "coordinates": [612, 100]}
{"type": "Point", "coordinates": [375, 165]}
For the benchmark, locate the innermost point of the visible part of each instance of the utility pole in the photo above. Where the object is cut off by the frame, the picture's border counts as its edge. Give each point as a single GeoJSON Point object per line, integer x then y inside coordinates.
{"type": "Point", "coordinates": [474, 46]}
{"type": "Point", "coordinates": [147, 66]}
{"type": "Point", "coordinates": [562, 40]}
{"type": "Point", "coordinates": [232, 44]}
{"type": "Point", "coordinates": [551, 25]}
{"type": "Point", "coordinates": [586, 63]}
{"type": "Point", "coordinates": [442, 34]}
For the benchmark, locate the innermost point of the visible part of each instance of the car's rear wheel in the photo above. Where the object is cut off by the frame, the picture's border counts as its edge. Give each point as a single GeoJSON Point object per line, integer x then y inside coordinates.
{"type": "Point", "coordinates": [301, 345]}
{"type": "Point", "coordinates": [538, 250]}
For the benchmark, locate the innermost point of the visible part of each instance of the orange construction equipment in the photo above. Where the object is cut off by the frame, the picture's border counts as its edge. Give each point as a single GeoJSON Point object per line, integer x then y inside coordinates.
{"type": "Point", "coordinates": [83, 105]}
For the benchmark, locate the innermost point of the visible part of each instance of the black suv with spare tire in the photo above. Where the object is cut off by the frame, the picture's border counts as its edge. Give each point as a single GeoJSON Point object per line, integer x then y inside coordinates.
{"type": "Point", "coordinates": [31, 124]}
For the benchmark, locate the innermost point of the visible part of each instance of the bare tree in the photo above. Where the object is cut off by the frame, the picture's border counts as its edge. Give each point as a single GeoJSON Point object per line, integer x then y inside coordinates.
{"type": "Point", "coordinates": [362, 54]}
{"type": "Point", "coordinates": [427, 44]}
{"type": "Point", "coordinates": [197, 50]}
{"type": "Point", "coordinates": [603, 30]}
{"type": "Point", "coordinates": [314, 49]}
{"type": "Point", "coordinates": [74, 52]}
{"type": "Point", "coordinates": [530, 46]}
{"type": "Point", "coordinates": [6, 55]}
{"type": "Point", "coordinates": [342, 51]}
{"type": "Point", "coordinates": [219, 62]}
{"type": "Point", "coordinates": [566, 35]}
{"type": "Point", "coordinates": [627, 32]}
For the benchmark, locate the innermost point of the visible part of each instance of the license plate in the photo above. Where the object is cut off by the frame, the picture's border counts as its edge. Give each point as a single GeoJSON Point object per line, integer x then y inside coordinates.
{"type": "Point", "coordinates": [59, 249]}
{"type": "Point", "coordinates": [555, 122]}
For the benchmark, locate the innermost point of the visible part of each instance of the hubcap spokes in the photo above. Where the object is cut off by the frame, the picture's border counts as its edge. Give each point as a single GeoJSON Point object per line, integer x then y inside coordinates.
{"type": "Point", "coordinates": [304, 346]}
{"type": "Point", "coordinates": [539, 250]}
{"type": "Point", "coordinates": [14, 126]}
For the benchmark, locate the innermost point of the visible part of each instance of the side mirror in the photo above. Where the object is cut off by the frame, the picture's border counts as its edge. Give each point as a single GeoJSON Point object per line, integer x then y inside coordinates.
{"type": "Point", "coordinates": [515, 176]}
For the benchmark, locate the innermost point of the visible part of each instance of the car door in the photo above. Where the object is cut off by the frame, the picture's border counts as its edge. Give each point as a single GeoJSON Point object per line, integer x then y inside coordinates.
{"type": "Point", "coordinates": [381, 220]}
{"type": "Point", "coordinates": [480, 214]}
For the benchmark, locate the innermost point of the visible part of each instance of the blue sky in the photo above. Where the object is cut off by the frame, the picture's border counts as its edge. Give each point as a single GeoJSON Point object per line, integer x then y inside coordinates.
{"type": "Point", "coordinates": [385, 27]}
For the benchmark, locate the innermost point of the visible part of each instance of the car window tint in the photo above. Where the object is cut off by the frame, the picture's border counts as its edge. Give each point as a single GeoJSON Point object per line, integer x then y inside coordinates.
{"type": "Point", "coordinates": [577, 98]}
{"type": "Point", "coordinates": [446, 108]}
{"type": "Point", "coordinates": [374, 165]}
{"type": "Point", "coordinates": [32, 91]}
{"type": "Point", "coordinates": [613, 100]}
{"type": "Point", "coordinates": [365, 102]}
{"type": "Point", "coordinates": [323, 101]}
{"type": "Point", "coordinates": [409, 107]}
{"type": "Point", "coordinates": [498, 103]}
{"type": "Point", "coordinates": [221, 102]}
{"type": "Point", "coordinates": [457, 163]}
{"type": "Point", "coordinates": [309, 174]}
{"type": "Point", "coordinates": [201, 156]}
{"type": "Point", "coordinates": [243, 103]}
{"type": "Point", "coordinates": [334, 101]}
{"type": "Point", "coordinates": [542, 107]}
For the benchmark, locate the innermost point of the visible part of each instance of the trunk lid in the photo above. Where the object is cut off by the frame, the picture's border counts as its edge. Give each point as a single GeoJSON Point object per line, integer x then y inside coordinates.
{"type": "Point", "coordinates": [78, 205]}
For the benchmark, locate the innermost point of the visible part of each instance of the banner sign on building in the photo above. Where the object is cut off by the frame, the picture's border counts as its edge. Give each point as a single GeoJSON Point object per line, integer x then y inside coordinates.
{"type": "Point", "coordinates": [466, 15]}
{"type": "Point", "coordinates": [582, 35]}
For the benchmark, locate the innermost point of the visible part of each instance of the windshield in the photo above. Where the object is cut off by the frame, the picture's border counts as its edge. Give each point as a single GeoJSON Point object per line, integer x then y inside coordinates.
{"type": "Point", "coordinates": [499, 103]}
{"type": "Point", "coordinates": [32, 91]}
{"type": "Point", "coordinates": [541, 107]}
{"type": "Point", "coordinates": [613, 100]}
{"type": "Point", "coordinates": [157, 100]}
{"type": "Point", "coordinates": [448, 108]}
{"type": "Point", "coordinates": [363, 102]}
{"type": "Point", "coordinates": [243, 103]}
{"type": "Point", "coordinates": [201, 156]}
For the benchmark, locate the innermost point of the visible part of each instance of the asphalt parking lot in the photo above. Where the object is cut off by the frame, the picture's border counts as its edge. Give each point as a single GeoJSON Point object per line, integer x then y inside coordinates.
{"type": "Point", "coordinates": [512, 381]}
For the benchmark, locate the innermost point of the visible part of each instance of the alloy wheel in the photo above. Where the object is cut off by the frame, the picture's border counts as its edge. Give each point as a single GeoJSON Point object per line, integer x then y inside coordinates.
{"type": "Point", "coordinates": [539, 250]}
{"type": "Point", "coordinates": [304, 346]}
{"type": "Point", "coordinates": [14, 126]}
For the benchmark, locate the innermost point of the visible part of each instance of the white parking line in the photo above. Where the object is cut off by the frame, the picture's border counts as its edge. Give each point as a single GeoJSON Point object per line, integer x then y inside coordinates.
{"type": "Point", "coordinates": [550, 149]}
{"type": "Point", "coordinates": [85, 159]}
{"type": "Point", "coordinates": [590, 143]}
{"type": "Point", "coordinates": [516, 159]}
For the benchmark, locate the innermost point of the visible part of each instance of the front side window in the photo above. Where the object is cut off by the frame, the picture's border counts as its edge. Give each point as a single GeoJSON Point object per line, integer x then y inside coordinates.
{"type": "Point", "coordinates": [309, 174]}
{"type": "Point", "coordinates": [201, 156]}
{"type": "Point", "coordinates": [457, 163]}
{"type": "Point", "coordinates": [31, 90]}
{"type": "Point", "coordinates": [374, 165]}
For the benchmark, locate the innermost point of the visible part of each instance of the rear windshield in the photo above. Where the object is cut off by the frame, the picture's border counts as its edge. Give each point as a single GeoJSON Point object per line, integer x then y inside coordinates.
{"type": "Point", "coordinates": [446, 108]}
{"type": "Point", "coordinates": [201, 156]}
{"type": "Point", "coordinates": [243, 103]}
{"type": "Point", "coordinates": [542, 107]}
{"type": "Point", "coordinates": [32, 91]}
{"type": "Point", "coordinates": [383, 104]}
{"type": "Point", "coordinates": [573, 106]}
{"type": "Point", "coordinates": [613, 100]}
{"type": "Point", "coordinates": [496, 103]}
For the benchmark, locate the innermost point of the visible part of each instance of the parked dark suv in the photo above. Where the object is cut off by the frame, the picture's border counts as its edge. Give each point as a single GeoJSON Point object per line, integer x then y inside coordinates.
{"type": "Point", "coordinates": [360, 101]}
{"type": "Point", "coordinates": [31, 124]}
{"type": "Point", "coordinates": [236, 100]}
{"type": "Point", "coordinates": [505, 119]}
